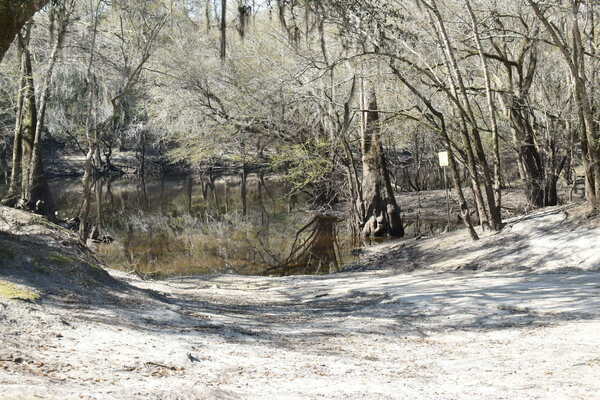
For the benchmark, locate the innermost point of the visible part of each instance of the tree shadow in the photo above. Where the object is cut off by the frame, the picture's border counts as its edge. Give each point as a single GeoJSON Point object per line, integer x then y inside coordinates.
{"type": "Point", "coordinates": [544, 240]}
{"type": "Point", "coordinates": [299, 310]}
{"type": "Point", "coordinates": [410, 306]}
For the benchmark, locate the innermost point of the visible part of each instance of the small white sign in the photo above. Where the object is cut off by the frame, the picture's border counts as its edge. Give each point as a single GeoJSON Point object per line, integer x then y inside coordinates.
{"type": "Point", "coordinates": [443, 155]}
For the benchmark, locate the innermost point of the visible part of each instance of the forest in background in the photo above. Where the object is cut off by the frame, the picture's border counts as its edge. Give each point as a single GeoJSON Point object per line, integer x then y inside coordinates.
{"type": "Point", "coordinates": [168, 163]}
{"type": "Point", "coordinates": [348, 101]}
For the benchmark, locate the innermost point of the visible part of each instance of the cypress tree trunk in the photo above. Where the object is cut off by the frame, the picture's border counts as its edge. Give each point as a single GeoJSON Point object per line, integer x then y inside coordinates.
{"type": "Point", "coordinates": [381, 213]}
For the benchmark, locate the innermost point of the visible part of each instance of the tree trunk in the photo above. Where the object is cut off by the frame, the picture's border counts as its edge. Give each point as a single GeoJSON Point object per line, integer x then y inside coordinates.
{"type": "Point", "coordinates": [143, 194]}
{"type": "Point", "coordinates": [189, 186]}
{"type": "Point", "coordinates": [91, 133]}
{"type": "Point", "coordinates": [207, 12]}
{"type": "Point", "coordinates": [244, 190]}
{"type": "Point", "coordinates": [529, 156]}
{"type": "Point", "coordinates": [13, 188]}
{"type": "Point", "coordinates": [36, 189]}
{"type": "Point", "coordinates": [491, 109]}
{"type": "Point", "coordinates": [13, 16]}
{"type": "Point", "coordinates": [161, 196]}
{"type": "Point", "coordinates": [226, 191]}
{"type": "Point", "coordinates": [4, 162]}
{"type": "Point", "coordinates": [573, 53]}
{"type": "Point", "coordinates": [470, 130]}
{"type": "Point", "coordinates": [223, 29]}
{"type": "Point", "coordinates": [213, 188]}
{"type": "Point", "coordinates": [465, 214]}
{"type": "Point", "coordinates": [381, 215]}
{"type": "Point", "coordinates": [87, 190]}
{"type": "Point", "coordinates": [28, 126]}
{"type": "Point", "coordinates": [532, 168]}
{"type": "Point", "coordinates": [99, 225]}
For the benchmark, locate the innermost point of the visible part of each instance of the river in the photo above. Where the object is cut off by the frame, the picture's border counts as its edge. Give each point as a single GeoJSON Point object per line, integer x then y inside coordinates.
{"type": "Point", "coordinates": [184, 225]}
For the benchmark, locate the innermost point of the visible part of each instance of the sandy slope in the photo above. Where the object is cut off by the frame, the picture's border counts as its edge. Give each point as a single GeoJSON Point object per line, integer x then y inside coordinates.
{"type": "Point", "coordinates": [467, 327]}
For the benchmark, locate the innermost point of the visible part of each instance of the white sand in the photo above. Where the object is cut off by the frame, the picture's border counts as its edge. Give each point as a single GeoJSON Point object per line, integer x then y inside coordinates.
{"type": "Point", "coordinates": [430, 334]}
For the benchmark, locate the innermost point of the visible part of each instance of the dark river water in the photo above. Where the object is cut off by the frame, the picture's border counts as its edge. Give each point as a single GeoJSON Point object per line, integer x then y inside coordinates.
{"type": "Point", "coordinates": [182, 226]}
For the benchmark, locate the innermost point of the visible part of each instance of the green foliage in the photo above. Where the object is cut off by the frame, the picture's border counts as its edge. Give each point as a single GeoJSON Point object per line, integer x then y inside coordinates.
{"type": "Point", "coordinates": [305, 164]}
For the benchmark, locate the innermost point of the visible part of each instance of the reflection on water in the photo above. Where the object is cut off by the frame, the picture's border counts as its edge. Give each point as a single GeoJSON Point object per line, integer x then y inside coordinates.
{"type": "Point", "coordinates": [180, 225]}
{"type": "Point", "coordinates": [184, 225]}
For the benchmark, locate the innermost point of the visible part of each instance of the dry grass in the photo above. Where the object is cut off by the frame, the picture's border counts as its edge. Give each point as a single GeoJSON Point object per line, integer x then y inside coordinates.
{"type": "Point", "coordinates": [160, 246]}
{"type": "Point", "coordinates": [16, 292]}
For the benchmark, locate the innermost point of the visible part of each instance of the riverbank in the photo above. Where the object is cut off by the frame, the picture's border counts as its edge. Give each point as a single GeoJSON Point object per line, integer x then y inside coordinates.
{"type": "Point", "coordinates": [512, 316]}
{"type": "Point", "coordinates": [72, 165]}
